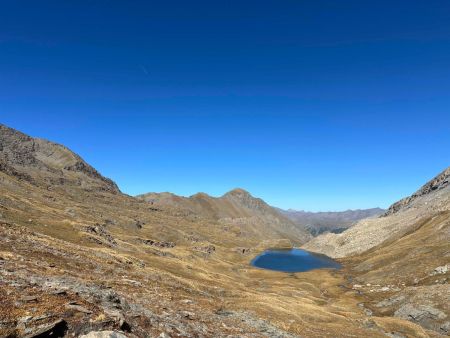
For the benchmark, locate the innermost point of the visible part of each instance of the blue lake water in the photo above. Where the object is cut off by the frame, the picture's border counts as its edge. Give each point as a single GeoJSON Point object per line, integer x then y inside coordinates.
{"type": "Point", "coordinates": [293, 260]}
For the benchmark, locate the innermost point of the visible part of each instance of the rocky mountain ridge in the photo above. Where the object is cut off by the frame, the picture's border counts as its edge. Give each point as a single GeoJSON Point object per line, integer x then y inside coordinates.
{"type": "Point", "coordinates": [432, 198]}
{"type": "Point", "coordinates": [29, 158]}
{"type": "Point", "coordinates": [441, 181]}
{"type": "Point", "coordinates": [237, 207]}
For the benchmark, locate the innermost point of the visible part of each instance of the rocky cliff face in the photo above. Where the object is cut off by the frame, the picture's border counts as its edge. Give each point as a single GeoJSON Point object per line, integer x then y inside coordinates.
{"type": "Point", "coordinates": [46, 163]}
{"type": "Point", "coordinates": [441, 181]}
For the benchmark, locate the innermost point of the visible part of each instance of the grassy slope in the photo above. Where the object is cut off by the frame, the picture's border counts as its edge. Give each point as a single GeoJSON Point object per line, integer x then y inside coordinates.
{"type": "Point", "coordinates": [84, 239]}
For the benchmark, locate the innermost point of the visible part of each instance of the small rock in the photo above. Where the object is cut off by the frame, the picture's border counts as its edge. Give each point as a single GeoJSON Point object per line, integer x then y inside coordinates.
{"type": "Point", "coordinates": [139, 224]}
{"type": "Point", "coordinates": [208, 249]}
{"type": "Point", "coordinates": [45, 316]}
{"type": "Point", "coordinates": [242, 251]}
{"type": "Point", "coordinates": [159, 244]}
{"type": "Point", "coordinates": [223, 312]}
{"type": "Point", "coordinates": [25, 319]}
{"type": "Point", "coordinates": [123, 325]}
{"type": "Point", "coordinates": [445, 328]}
{"type": "Point", "coordinates": [104, 334]}
{"type": "Point", "coordinates": [55, 329]}
{"type": "Point", "coordinates": [78, 308]}
{"type": "Point", "coordinates": [441, 269]}
{"type": "Point", "coordinates": [70, 212]}
{"type": "Point", "coordinates": [367, 311]}
{"type": "Point", "coordinates": [133, 282]}
{"type": "Point", "coordinates": [419, 313]}
{"type": "Point", "coordinates": [188, 315]}
{"type": "Point", "coordinates": [30, 299]}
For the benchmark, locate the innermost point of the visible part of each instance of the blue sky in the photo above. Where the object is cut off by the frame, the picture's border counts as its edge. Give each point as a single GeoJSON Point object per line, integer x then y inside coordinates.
{"type": "Point", "coordinates": [316, 105]}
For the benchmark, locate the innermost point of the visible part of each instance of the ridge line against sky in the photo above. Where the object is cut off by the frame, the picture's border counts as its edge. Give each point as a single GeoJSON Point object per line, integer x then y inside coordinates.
{"type": "Point", "coordinates": [313, 105]}
{"type": "Point", "coordinates": [217, 193]}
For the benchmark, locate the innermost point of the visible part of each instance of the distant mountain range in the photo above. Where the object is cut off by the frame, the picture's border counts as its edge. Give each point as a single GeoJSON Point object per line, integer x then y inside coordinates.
{"type": "Point", "coordinates": [331, 221]}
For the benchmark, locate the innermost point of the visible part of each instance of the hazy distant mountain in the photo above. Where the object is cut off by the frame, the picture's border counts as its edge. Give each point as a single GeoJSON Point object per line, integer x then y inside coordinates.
{"type": "Point", "coordinates": [336, 222]}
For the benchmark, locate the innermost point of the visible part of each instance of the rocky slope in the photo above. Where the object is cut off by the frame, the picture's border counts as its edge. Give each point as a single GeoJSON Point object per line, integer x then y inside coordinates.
{"type": "Point", "coordinates": [401, 260]}
{"type": "Point", "coordinates": [48, 164]}
{"type": "Point", "coordinates": [237, 207]}
{"type": "Point", "coordinates": [77, 255]}
{"type": "Point", "coordinates": [336, 222]}
{"type": "Point", "coordinates": [401, 218]}
{"type": "Point", "coordinates": [439, 182]}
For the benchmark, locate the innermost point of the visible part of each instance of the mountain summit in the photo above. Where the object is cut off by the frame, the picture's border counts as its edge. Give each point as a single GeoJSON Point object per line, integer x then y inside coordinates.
{"type": "Point", "coordinates": [237, 192]}
{"type": "Point", "coordinates": [238, 207]}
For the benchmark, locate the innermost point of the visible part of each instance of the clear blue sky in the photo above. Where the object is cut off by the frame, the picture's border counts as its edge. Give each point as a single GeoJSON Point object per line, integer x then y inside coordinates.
{"type": "Point", "coordinates": [317, 105]}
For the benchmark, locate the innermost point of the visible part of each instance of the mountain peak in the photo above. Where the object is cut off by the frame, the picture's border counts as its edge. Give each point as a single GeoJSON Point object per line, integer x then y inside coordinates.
{"type": "Point", "coordinates": [200, 195]}
{"type": "Point", "coordinates": [238, 192]}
